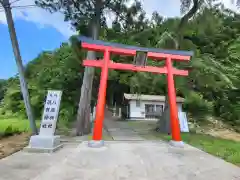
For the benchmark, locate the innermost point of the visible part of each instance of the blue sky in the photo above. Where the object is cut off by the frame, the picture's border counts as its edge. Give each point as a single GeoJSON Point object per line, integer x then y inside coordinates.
{"type": "Point", "coordinates": [32, 41]}
{"type": "Point", "coordinates": [38, 30]}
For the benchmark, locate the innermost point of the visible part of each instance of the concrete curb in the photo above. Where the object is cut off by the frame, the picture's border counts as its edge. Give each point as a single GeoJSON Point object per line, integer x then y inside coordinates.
{"type": "Point", "coordinates": [177, 143]}
{"type": "Point", "coordinates": [95, 144]}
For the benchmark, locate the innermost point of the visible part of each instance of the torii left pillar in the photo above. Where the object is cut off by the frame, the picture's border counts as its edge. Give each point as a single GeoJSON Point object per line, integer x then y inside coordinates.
{"type": "Point", "coordinates": [100, 109]}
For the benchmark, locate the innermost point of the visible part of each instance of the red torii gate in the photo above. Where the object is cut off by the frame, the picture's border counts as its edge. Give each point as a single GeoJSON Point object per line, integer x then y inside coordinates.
{"type": "Point", "coordinates": [105, 64]}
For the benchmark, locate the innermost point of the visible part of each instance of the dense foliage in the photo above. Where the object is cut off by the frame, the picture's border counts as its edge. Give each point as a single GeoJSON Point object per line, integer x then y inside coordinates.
{"type": "Point", "coordinates": [2, 88]}
{"type": "Point", "coordinates": [212, 88]}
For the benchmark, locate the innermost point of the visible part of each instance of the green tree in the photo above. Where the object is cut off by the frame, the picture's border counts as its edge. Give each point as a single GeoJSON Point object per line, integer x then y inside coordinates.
{"type": "Point", "coordinates": [58, 69]}
{"type": "Point", "coordinates": [2, 88]}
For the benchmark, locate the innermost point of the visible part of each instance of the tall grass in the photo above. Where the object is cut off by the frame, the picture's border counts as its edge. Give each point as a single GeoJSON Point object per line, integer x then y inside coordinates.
{"type": "Point", "coordinates": [10, 126]}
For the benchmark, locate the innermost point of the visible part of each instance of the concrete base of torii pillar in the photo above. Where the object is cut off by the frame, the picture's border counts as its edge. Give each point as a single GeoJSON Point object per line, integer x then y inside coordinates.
{"type": "Point", "coordinates": [95, 144]}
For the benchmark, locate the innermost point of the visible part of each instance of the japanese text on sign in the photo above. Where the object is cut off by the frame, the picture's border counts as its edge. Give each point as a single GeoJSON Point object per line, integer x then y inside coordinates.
{"type": "Point", "coordinates": [50, 114]}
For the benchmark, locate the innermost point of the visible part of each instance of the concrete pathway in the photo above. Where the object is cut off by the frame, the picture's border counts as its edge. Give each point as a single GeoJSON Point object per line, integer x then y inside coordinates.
{"type": "Point", "coordinates": [130, 158]}
{"type": "Point", "coordinates": [142, 160]}
{"type": "Point", "coordinates": [119, 130]}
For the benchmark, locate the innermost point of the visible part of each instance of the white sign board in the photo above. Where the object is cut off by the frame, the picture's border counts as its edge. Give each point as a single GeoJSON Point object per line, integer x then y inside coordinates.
{"type": "Point", "coordinates": [183, 122]}
{"type": "Point", "coordinates": [50, 113]}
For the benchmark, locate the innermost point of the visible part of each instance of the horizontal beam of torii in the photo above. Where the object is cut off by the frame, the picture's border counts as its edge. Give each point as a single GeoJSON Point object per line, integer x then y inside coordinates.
{"type": "Point", "coordinates": [131, 67]}
{"type": "Point", "coordinates": [156, 54]}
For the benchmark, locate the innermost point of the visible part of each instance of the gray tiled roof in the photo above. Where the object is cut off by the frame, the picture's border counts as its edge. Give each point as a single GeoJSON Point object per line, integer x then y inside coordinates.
{"type": "Point", "coordinates": [145, 97]}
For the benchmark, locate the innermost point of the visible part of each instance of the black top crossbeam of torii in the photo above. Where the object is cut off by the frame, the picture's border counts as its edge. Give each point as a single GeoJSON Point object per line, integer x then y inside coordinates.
{"type": "Point", "coordinates": [84, 39]}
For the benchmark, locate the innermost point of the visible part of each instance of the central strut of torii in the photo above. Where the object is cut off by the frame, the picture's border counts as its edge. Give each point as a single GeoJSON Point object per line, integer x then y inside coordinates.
{"type": "Point", "coordinates": [105, 64]}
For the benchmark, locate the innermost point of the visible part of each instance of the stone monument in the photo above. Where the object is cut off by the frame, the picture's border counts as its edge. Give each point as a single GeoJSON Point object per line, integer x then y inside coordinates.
{"type": "Point", "coordinates": [164, 122]}
{"type": "Point", "coordinates": [46, 141]}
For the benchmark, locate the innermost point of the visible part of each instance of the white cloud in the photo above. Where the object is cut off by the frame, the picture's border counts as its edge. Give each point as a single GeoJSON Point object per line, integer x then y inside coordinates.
{"type": "Point", "coordinates": [231, 4]}
{"type": "Point", "coordinates": [166, 8]}
{"type": "Point", "coordinates": [39, 16]}
{"type": "Point", "coordinates": [171, 8]}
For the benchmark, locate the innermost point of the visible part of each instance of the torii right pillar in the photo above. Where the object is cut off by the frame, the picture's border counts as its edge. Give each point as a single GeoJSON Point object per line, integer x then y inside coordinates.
{"type": "Point", "coordinates": [174, 120]}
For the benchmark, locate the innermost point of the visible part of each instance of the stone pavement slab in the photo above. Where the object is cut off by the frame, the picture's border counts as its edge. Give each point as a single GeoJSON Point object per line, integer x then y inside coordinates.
{"type": "Point", "coordinates": [119, 134]}
{"type": "Point", "coordinates": [135, 160]}
{"type": "Point", "coordinates": [25, 166]}
{"type": "Point", "coordinates": [120, 131]}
